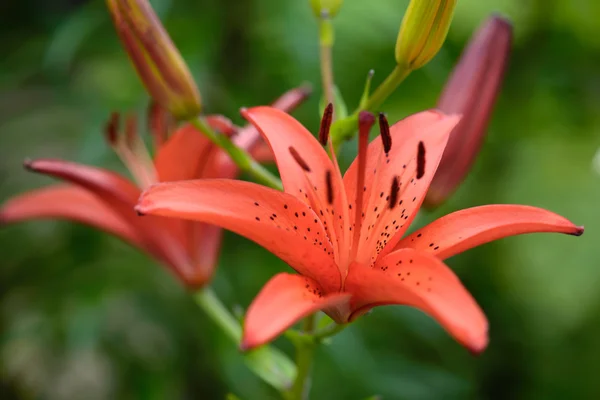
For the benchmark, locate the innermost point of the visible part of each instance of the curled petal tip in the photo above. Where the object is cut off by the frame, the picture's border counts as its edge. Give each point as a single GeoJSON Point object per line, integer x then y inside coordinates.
{"type": "Point", "coordinates": [478, 346]}
{"type": "Point", "coordinates": [501, 19]}
{"type": "Point", "coordinates": [477, 352]}
{"type": "Point", "coordinates": [306, 88]}
{"type": "Point", "coordinates": [28, 164]}
{"type": "Point", "coordinates": [244, 112]}
{"type": "Point", "coordinates": [578, 231]}
{"type": "Point", "coordinates": [245, 346]}
{"type": "Point", "coordinates": [140, 208]}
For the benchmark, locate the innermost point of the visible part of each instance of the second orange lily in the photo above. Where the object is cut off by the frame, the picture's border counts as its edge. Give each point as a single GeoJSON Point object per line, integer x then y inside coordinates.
{"type": "Point", "coordinates": [105, 200]}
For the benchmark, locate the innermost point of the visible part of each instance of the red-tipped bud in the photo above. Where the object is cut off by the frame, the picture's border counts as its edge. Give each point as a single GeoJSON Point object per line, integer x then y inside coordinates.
{"type": "Point", "coordinates": [155, 58]}
{"type": "Point", "coordinates": [471, 91]}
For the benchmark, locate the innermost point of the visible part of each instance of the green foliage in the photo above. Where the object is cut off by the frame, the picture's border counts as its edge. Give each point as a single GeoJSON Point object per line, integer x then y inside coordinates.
{"type": "Point", "coordinates": [85, 316]}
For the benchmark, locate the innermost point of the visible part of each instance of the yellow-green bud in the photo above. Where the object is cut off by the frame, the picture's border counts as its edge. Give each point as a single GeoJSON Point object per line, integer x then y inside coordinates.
{"type": "Point", "coordinates": [331, 7]}
{"type": "Point", "coordinates": [423, 31]}
{"type": "Point", "coordinates": [157, 61]}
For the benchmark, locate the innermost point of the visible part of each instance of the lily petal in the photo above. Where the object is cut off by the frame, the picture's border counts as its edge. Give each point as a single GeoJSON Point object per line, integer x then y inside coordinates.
{"type": "Point", "coordinates": [206, 242]}
{"type": "Point", "coordinates": [465, 229]}
{"type": "Point", "coordinates": [275, 220]}
{"type": "Point", "coordinates": [188, 154]}
{"type": "Point", "coordinates": [282, 302]}
{"type": "Point", "coordinates": [161, 237]}
{"type": "Point", "coordinates": [316, 181]}
{"type": "Point", "coordinates": [183, 155]}
{"type": "Point", "coordinates": [70, 203]}
{"type": "Point", "coordinates": [248, 137]}
{"type": "Point", "coordinates": [417, 279]}
{"type": "Point", "coordinates": [382, 222]}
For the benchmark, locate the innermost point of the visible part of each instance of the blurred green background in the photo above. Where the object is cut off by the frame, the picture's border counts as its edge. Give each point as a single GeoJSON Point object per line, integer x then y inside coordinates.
{"type": "Point", "coordinates": [84, 316]}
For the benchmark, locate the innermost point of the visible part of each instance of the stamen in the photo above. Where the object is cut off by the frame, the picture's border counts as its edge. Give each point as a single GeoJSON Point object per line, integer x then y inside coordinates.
{"type": "Point", "coordinates": [420, 160]}
{"type": "Point", "coordinates": [299, 159]}
{"type": "Point", "coordinates": [325, 124]}
{"type": "Point", "coordinates": [394, 192]}
{"type": "Point", "coordinates": [329, 184]}
{"type": "Point", "coordinates": [157, 120]}
{"type": "Point", "coordinates": [131, 131]}
{"type": "Point", "coordinates": [384, 129]}
{"type": "Point", "coordinates": [365, 123]}
{"type": "Point", "coordinates": [111, 129]}
{"type": "Point", "coordinates": [131, 150]}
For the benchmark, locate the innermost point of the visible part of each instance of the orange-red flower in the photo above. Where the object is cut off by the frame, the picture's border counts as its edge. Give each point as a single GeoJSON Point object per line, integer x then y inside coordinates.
{"type": "Point", "coordinates": [345, 235]}
{"type": "Point", "coordinates": [105, 200]}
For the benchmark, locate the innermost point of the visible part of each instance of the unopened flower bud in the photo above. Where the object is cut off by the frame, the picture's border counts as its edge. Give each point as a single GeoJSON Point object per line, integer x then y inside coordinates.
{"type": "Point", "coordinates": [331, 7]}
{"type": "Point", "coordinates": [423, 31]}
{"type": "Point", "coordinates": [155, 58]}
{"type": "Point", "coordinates": [471, 91]}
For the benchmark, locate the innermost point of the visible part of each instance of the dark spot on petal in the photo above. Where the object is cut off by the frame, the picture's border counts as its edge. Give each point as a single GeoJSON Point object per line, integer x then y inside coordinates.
{"type": "Point", "coordinates": [420, 160]}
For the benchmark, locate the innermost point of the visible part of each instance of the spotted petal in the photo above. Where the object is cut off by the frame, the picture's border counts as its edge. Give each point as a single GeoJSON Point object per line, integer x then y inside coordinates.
{"type": "Point", "coordinates": [465, 229]}
{"type": "Point", "coordinates": [317, 181]}
{"type": "Point", "coordinates": [283, 301]}
{"type": "Point", "coordinates": [277, 221]}
{"type": "Point", "coordinates": [417, 279]}
{"type": "Point", "coordinates": [383, 225]}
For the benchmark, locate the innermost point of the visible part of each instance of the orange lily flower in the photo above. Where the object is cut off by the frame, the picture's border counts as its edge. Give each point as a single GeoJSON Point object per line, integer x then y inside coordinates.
{"type": "Point", "coordinates": [105, 200]}
{"type": "Point", "coordinates": [344, 236]}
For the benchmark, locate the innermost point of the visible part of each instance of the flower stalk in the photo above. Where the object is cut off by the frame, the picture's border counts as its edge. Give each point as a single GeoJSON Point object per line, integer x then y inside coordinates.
{"type": "Point", "coordinates": [241, 157]}
{"type": "Point", "coordinates": [421, 35]}
{"type": "Point", "coordinates": [267, 362]}
{"type": "Point", "coordinates": [305, 353]}
{"type": "Point", "coordinates": [326, 40]}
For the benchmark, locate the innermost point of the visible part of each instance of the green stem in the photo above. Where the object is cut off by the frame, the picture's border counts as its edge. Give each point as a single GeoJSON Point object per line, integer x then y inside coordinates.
{"type": "Point", "coordinates": [386, 88]}
{"type": "Point", "coordinates": [344, 129]}
{"type": "Point", "coordinates": [305, 352]}
{"type": "Point", "coordinates": [239, 156]}
{"type": "Point", "coordinates": [268, 363]}
{"type": "Point", "coordinates": [326, 38]}
{"type": "Point", "coordinates": [330, 330]}
{"type": "Point", "coordinates": [210, 303]}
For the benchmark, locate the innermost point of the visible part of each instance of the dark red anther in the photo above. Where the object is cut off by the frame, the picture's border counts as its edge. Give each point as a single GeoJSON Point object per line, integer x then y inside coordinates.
{"type": "Point", "coordinates": [384, 129]}
{"type": "Point", "coordinates": [326, 124]}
